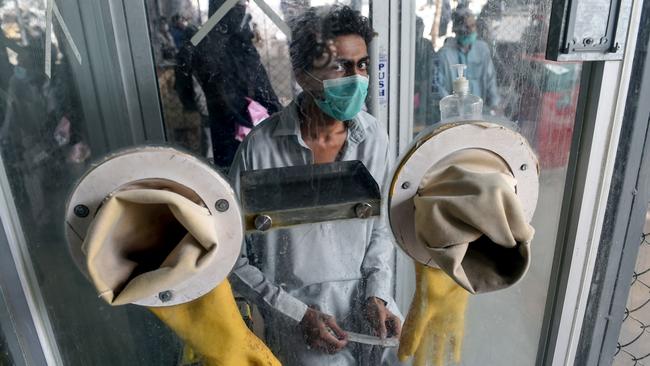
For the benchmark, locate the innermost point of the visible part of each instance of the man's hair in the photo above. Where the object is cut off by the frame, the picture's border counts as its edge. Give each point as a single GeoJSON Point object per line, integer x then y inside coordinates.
{"type": "Point", "coordinates": [311, 30]}
{"type": "Point", "coordinates": [459, 16]}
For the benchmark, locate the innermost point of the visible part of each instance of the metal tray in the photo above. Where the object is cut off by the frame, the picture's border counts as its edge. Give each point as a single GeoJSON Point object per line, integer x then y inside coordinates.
{"type": "Point", "coordinates": [280, 197]}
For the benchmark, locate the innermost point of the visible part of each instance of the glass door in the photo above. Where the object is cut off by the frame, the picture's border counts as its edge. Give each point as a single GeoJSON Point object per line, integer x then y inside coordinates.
{"type": "Point", "coordinates": [502, 44]}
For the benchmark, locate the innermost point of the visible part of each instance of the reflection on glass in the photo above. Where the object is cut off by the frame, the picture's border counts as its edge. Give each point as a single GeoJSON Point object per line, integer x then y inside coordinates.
{"type": "Point", "coordinates": [212, 93]}
{"type": "Point", "coordinates": [503, 43]}
{"type": "Point", "coordinates": [45, 147]}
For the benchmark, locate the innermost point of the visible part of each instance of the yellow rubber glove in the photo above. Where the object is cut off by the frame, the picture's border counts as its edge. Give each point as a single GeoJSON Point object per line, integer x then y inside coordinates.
{"type": "Point", "coordinates": [214, 328]}
{"type": "Point", "coordinates": [435, 323]}
{"type": "Point", "coordinates": [189, 357]}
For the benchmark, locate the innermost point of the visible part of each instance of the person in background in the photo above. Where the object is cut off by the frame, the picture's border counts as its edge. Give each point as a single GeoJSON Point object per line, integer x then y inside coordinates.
{"type": "Point", "coordinates": [6, 68]}
{"type": "Point", "coordinates": [445, 17]}
{"type": "Point", "coordinates": [313, 282]}
{"type": "Point", "coordinates": [164, 46]}
{"type": "Point", "coordinates": [427, 91]}
{"type": "Point", "coordinates": [292, 8]}
{"type": "Point", "coordinates": [466, 49]}
{"type": "Point", "coordinates": [188, 129]}
{"type": "Point", "coordinates": [177, 30]}
{"type": "Point", "coordinates": [230, 72]}
{"type": "Point", "coordinates": [6, 71]}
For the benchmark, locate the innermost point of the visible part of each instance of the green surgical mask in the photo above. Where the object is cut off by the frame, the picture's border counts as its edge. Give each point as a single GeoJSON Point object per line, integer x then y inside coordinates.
{"type": "Point", "coordinates": [343, 98]}
{"type": "Point", "coordinates": [467, 39]}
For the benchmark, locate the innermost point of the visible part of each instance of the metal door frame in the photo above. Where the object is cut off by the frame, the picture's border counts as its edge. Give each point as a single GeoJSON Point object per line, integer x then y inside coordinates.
{"type": "Point", "coordinates": [624, 220]}
{"type": "Point", "coordinates": [18, 281]}
{"type": "Point", "coordinates": [593, 156]}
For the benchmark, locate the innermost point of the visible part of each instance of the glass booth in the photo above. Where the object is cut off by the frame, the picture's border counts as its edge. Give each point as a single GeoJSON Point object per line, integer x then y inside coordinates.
{"type": "Point", "coordinates": [80, 80]}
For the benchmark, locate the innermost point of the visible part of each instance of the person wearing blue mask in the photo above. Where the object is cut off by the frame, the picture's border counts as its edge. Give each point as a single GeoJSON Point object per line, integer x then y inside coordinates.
{"type": "Point", "coordinates": [314, 282]}
{"type": "Point", "coordinates": [466, 49]}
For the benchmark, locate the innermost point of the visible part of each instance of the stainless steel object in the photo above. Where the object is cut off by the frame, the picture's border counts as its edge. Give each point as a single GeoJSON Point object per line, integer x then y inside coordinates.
{"type": "Point", "coordinates": [281, 197]}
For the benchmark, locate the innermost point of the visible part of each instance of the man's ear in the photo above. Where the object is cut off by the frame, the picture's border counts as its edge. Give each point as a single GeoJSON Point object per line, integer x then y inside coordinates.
{"type": "Point", "coordinates": [302, 78]}
{"type": "Point", "coordinates": [308, 82]}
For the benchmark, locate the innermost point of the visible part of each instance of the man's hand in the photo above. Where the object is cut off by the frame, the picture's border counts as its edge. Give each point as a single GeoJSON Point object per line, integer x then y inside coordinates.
{"type": "Point", "coordinates": [385, 323]}
{"type": "Point", "coordinates": [321, 332]}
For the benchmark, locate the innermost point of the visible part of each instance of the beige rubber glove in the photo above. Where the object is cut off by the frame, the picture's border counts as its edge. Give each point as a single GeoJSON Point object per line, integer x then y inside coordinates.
{"type": "Point", "coordinates": [214, 328]}
{"type": "Point", "coordinates": [470, 219]}
{"type": "Point", "coordinates": [145, 241]}
{"type": "Point", "coordinates": [434, 326]}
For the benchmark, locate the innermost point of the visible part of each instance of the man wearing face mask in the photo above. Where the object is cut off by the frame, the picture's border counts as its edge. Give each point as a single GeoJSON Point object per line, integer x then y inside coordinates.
{"type": "Point", "coordinates": [313, 282]}
{"type": "Point", "coordinates": [466, 49]}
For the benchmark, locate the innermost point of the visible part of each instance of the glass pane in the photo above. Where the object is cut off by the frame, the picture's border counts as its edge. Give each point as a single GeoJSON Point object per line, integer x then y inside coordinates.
{"type": "Point", "coordinates": [507, 69]}
{"type": "Point", "coordinates": [45, 147]}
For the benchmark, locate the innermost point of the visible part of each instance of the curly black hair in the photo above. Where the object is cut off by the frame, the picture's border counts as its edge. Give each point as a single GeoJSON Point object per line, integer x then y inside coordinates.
{"type": "Point", "coordinates": [311, 30]}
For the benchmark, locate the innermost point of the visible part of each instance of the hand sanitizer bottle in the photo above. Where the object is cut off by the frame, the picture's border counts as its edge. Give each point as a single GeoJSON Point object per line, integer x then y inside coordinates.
{"type": "Point", "coordinates": [461, 104]}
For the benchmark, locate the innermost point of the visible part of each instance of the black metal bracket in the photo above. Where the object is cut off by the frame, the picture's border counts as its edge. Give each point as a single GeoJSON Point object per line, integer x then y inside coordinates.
{"type": "Point", "coordinates": [588, 30]}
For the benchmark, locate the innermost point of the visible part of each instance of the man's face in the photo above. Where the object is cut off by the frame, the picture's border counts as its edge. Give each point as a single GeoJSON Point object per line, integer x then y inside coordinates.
{"type": "Point", "coordinates": [164, 26]}
{"type": "Point", "coordinates": [466, 27]}
{"type": "Point", "coordinates": [181, 22]}
{"type": "Point", "coordinates": [349, 56]}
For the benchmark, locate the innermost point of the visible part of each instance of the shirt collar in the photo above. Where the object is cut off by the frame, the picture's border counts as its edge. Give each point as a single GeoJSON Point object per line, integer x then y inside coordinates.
{"type": "Point", "coordinates": [289, 123]}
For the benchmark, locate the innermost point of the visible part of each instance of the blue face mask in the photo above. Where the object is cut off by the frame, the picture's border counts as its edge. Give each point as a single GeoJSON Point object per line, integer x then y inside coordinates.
{"type": "Point", "coordinates": [343, 98]}
{"type": "Point", "coordinates": [467, 39]}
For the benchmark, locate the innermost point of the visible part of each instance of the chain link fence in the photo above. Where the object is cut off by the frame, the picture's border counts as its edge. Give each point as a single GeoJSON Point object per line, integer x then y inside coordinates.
{"type": "Point", "coordinates": [633, 346]}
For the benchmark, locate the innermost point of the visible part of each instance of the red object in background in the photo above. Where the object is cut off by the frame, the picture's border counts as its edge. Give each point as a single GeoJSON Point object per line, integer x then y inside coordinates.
{"type": "Point", "coordinates": [555, 127]}
{"type": "Point", "coordinates": [550, 106]}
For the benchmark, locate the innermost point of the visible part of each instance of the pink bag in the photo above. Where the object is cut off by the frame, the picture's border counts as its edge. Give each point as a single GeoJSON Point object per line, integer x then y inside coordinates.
{"type": "Point", "coordinates": [62, 132]}
{"type": "Point", "coordinates": [257, 114]}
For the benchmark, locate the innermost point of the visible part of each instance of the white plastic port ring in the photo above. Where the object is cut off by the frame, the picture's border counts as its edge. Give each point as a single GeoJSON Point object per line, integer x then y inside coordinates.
{"type": "Point", "coordinates": [179, 170]}
{"type": "Point", "coordinates": [433, 146]}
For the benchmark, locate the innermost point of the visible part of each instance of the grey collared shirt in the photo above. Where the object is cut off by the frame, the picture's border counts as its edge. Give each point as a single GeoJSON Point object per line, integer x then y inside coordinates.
{"type": "Point", "coordinates": [330, 264]}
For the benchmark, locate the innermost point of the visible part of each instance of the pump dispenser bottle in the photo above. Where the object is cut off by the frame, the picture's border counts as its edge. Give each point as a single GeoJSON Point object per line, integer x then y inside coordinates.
{"type": "Point", "coordinates": [461, 104]}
